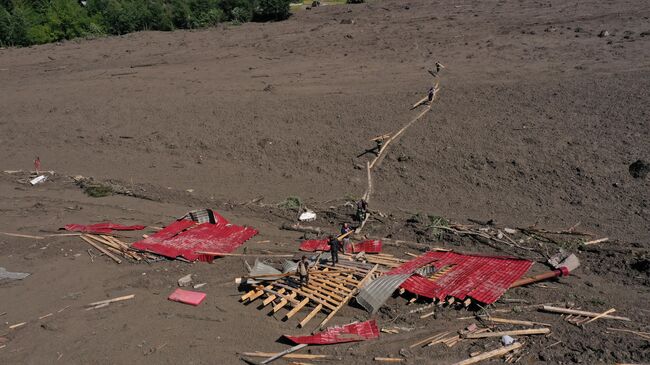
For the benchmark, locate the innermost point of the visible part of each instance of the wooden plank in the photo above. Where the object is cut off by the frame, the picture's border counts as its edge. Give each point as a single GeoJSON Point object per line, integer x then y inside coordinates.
{"type": "Point", "coordinates": [308, 295]}
{"type": "Point", "coordinates": [612, 310]}
{"type": "Point", "coordinates": [532, 331]}
{"type": "Point", "coordinates": [349, 296]}
{"type": "Point", "coordinates": [310, 315]}
{"type": "Point", "coordinates": [259, 293]}
{"type": "Point", "coordinates": [283, 302]}
{"type": "Point", "coordinates": [551, 309]}
{"type": "Point", "coordinates": [490, 354]}
{"type": "Point", "coordinates": [388, 359]}
{"type": "Point", "coordinates": [429, 339]}
{"type": "Point", "coordinates": [108, 301]}
{"type": "Point", "coordinates": [22, 235]}
{"type": "Point", "coordinates": [321, 296]}
{"type": "Point", "coordinates": [101, 249]}
{"type": "Point", "coordinates": [297, 308]}
{"type": "Point", "coordinates": [248, 295]}
{"type": "Point", "coordinates": [283, 353]}
{"type": "Point", "coordinates": [289, 356]}
{"type": "Point", "coordinates": [281, 295]}
{"type": "Point", "coordinates": [272, 297]}
{"type": "Point", "coordinates": [514, 321]}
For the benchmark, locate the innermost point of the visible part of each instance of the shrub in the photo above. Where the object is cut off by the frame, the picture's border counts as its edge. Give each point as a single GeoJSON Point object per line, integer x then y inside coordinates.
{"type": "Point", "coordinates": [272, 10]}
{"type": "Point", "coordinates": [354, 1]}
{"type": "Point", "coordinates": [241, 15]}
{"type": "Point", "coordinates": [6, 31]}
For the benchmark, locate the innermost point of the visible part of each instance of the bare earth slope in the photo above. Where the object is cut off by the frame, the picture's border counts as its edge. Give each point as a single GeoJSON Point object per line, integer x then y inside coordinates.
{"type": "Point", "coordinates": [537, 121]}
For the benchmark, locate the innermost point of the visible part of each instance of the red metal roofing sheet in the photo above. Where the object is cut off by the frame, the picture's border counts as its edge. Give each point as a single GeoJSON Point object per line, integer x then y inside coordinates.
{"type": "Point", "coordinates": [185, 237]}
{"type": "Point", "coordinates": [348, 333]}
{"type": "Point", "coordinates": [101, 228]}
{"type": "Point", "coordinates": [315, 245]}
{"type": "Point", "coordinates": [482, 278]}
{"type": "Point", "coordinates": [369, 246]}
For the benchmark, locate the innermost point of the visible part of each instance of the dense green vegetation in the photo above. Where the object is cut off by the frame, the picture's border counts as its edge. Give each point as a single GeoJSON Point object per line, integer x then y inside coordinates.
{"type": "Point", "coordinates": [26, 22]}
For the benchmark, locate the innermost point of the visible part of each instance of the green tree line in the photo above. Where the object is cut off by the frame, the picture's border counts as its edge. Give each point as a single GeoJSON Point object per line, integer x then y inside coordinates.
{"type": "Point", "coordinates": [27, 22]}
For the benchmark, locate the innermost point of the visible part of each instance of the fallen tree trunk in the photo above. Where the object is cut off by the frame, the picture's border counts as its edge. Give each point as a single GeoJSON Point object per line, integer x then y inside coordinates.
{"type": "Point", "coordinates": [304, 229]}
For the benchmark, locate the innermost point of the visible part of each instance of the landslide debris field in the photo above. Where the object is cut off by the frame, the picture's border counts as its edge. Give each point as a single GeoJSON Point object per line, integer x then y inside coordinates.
{"type": "Point", "coordinates": [538, 118]}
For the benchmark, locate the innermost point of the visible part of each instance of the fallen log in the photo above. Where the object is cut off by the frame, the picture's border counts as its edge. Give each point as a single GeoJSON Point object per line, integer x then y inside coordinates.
{"type": "Point", "coordinates": [547, 308]}
{"type": "Point", "coordinates": [490, 354]}
{"type": "Point", "coordinates": [304, 229]}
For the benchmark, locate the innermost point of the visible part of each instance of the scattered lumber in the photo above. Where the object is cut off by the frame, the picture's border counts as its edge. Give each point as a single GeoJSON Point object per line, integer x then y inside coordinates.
{"type": "Point", "coordinates": [513, 321]}
{"type": "Point", "coordinates": [533, 331]}
{"type": "Point", "coordinates": [430, 339]}
{"type": "Point", "coordinates": [611, 310]}
{"type": "Point", "coordinates": [547, 308]}
{"type": "Point", "coordinates": [283, 353]}
{"type": "Point", "coordinates": [101, 249]}
{"type": "Point", "coordinates": [490, 354]}
{"type": "Point", "coordinates": [287, 356]}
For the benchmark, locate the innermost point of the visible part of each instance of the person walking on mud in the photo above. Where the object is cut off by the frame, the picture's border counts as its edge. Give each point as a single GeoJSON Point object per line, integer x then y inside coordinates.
{"type": "Point", "coordinates": [430, 94]}
{"type": "Point", "coordinates": [335, 247]}
{"type": "Point", "coordinates": [303, 271]}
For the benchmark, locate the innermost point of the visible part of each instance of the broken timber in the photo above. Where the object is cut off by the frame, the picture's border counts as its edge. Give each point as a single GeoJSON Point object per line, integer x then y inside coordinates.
{"type": "Point", "coordinates": [329, 289]}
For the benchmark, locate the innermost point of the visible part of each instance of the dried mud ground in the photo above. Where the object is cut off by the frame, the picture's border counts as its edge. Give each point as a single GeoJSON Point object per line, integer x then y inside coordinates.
{"type": "Point", "coordinates": [537, 121]}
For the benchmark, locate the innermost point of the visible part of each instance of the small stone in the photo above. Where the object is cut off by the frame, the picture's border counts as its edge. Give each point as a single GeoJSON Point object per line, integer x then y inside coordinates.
{"type": "Point", "coordinates": [185, 280]}
{"type": "Point", "coordinates": [603, 34]}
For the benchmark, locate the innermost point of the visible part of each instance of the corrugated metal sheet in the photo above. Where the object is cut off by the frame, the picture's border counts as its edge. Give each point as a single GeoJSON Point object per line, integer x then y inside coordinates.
{"type": "Point", "coordinates": [483, 278]}
{"type": "Point", "coordinates": [373, 295]}
{"type": "Point", "coordinates": [348, 333]}
{"type": "Point", "coordinates": [185, 237]}
{"type": "Point", "coordinates": [260, 268]}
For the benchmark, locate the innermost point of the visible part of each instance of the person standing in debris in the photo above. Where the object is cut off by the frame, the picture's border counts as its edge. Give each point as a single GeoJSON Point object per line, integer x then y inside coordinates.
{"type": "Point", "coordinates": [362, 210]}
{"type": "Point", "coordinates": [346, 240]}
{"type": "Point", "coordinates": [303, 270]}
{"type": "Point", "coordinates": [335, 247]}
{"type": "Point", "coordinates": [438, 66]}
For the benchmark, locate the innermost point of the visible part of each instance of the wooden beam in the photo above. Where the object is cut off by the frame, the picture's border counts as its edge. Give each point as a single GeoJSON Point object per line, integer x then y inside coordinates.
{"type": "Point", "coordinates": [310, 315]}
{"type": "Point", "coordinates": [288, 356]}
{"type": "Point", "coordinates": [108, 301]}
{"type": "Point", "coordinates": [283, 302]}
{"type": "Point", "coordinates": [514, 321]}
{"type": "Point", "coordinates": [349, 296]}
{"type": "Point", "coordinates": [297, 308]}
{"type": "Point", "coordinates": [429, 339]}
{"type": "Point", "coordinates": [551, 309]}
{"type": "Point", "coordinates": [490, 354]}
{"type": "Point", "coordinates": [283, 353]}
{"type": "Point", "coordinates": [532, 331]}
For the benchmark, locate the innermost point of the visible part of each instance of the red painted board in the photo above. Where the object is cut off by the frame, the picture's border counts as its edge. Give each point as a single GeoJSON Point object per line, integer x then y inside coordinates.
{"type": "Point", "coordinates": [186, 296]}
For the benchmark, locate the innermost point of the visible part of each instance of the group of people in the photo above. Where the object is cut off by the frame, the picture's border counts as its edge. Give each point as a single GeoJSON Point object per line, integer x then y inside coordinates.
{"type": "Point", "coordinates": [337, 244]}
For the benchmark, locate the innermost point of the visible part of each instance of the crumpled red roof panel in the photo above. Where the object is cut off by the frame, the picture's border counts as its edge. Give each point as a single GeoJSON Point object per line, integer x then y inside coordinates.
{"type": "Point", "coordinates": [185, 237]}
{"type": "Point", "coordinates": [101, 228]}
{"type": "Point", "coordinates": [315, 245]}
{"type": "Point", "coordinates": [483, 278]}
{"type": "Point", "coordinates": [359, 331]}
{"type": "Point", "coordinates": [369, 246]}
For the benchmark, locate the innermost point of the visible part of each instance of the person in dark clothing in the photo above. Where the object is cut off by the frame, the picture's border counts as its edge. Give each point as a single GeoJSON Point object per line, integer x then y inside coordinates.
{"type": "Point", "coordinates": [303, 270]}
{"type": "Point", "coordinates": [362, 210]}
{"type": "Point", "coordinates": [345, 228]}
{"type": "Point", "coordinates": [335, 247]}
{"type": "Point", "coordinates": [430, 96]}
